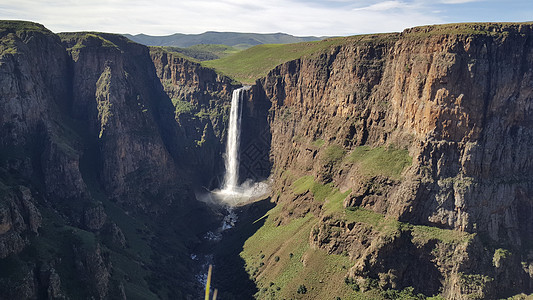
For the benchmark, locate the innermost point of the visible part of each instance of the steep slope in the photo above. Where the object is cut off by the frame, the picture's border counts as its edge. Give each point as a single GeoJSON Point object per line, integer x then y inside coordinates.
{"type": "Point", "coordinates": [407, 153]}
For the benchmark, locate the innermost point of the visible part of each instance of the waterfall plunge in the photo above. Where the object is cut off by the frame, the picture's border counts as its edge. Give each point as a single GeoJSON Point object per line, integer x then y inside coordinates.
{"type": "Point", "coordinates": [231, 178]}
{"type": "Point", "coordinates": [231, 193]}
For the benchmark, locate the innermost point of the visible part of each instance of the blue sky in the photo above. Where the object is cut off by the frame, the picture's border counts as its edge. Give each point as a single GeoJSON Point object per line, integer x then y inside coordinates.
{"type": "Point", "coordinates": [298, 17]}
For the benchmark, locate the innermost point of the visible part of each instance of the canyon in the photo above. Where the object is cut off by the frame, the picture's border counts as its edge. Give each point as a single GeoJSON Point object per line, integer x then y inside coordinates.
{"type": "Point", "coordinates": [399, 167]}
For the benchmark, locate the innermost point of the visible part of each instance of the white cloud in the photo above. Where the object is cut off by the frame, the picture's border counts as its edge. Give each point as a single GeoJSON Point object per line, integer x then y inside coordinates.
{"type": "Point", "coordinates": [160, 17]}
{"type": "Point", "coordinates": [386, 5]}
{"type": "Point", "coordinates": [457, 1]}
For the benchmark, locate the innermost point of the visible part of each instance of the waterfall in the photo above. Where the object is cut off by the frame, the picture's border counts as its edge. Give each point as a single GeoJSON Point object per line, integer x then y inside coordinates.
{"type": "Point", "coordinates": [231, 178]}
{"type": "Point", "coordinates": [231, 193]}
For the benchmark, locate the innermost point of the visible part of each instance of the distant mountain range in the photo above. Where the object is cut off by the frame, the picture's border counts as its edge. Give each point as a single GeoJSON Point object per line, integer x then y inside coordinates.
{"type": "Point", "coordinates": [235, 39]}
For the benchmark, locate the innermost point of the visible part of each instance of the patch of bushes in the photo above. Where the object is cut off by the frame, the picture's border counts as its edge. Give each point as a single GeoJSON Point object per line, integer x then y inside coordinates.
{"type": "Point", "coordinates": [318, 143]}
{"type": "Point", "coordinates": [500, 254]}
{"type": "Point", "coordinates": [352, 283]}
{"type": "Point", "coordinates": [302, 289]}
{"type": "Point", "coordinates": [406, 294]}
{"type": "Point", "coordinates": [183, 107]}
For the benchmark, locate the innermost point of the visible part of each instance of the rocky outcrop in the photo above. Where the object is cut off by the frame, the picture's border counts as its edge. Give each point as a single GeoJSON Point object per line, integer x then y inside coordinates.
{"type": "Point", "coordinates": [452, 99]}
{"type": "Point", "coordinates": [96, 270]}
{"type": "Point", "coordinates": [19, 219]}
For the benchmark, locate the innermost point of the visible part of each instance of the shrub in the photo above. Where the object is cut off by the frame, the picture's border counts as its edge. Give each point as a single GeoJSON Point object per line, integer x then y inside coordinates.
{"type": "Point", "coordinates": [352, 283]}
{"type": "Point", "coordinates": [183, 107]}
{"type": "Point", "coordinates": [302, 289]}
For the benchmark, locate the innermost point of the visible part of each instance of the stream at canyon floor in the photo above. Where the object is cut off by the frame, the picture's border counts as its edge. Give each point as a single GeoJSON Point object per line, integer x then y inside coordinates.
{"type": "Point", "coordinates": [221, 248]}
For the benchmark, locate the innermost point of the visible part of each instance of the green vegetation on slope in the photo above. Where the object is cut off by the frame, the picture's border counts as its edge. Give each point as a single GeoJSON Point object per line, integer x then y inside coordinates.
{"type": "Point", "coordinates": [249, 65]}
{"type": "Point", "coordinates": [78, 40]}
{"type": "Point", "coordinates": [19, 26]}
{"type": "Point", "coordinates": [385, 161]}
{"type": "Point", "coordinates": [333, 154]}
{"type": "Point", "coordinates": [334, 198]}
{"type": "Point", "coordinates": [285, 265]}
{"type": "Point", "coordinates": [307, 183]}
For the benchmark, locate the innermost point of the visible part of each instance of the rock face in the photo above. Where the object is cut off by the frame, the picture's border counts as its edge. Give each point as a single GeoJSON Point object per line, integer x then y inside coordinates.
{"type": "Point", "coordinates": [92, 171]}
{"type": "Point", "coordinates": [115, 91]}
{"type": "Point", "coordinates": [201, 99]}
{"type": "Point", "coordinates": [457, 100]}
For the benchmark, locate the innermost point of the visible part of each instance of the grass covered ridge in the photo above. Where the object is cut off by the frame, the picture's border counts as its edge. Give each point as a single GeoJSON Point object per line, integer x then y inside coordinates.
{"type": "Point", "coordinates": [20, 26]}
{"type": "Point", "coordinates": [333, 200]}
{"type": "Point", "coordinates": [251, 64]}
{"type": "Point", "coordinates": [10, 31]}
{"type": "Point", "coordinates": [475, 28]}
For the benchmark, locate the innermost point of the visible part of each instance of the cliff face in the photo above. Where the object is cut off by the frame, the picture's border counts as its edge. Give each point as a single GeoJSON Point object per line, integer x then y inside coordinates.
{"type": "Point", "coordinates": [116, 92]}
{"type": "Point", "coordinates": [201, 99]}
{"type": "Point", "coordinates": [429, 127]}
{"type": "Point", "coordinates": [93, 198]}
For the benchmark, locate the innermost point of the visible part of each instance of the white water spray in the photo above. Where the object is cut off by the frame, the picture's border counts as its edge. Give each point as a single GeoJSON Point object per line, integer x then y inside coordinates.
{"type": "Point", "coordinates": [231, 178]}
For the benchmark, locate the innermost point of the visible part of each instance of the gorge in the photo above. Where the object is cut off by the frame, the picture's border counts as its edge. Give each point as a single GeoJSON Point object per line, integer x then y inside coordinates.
{"type": "Point", "coordinates": [399, 166]}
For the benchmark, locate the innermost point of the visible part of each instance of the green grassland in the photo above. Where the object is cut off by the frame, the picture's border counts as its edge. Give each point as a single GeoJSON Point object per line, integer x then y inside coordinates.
{"type": "Point", "coordinates": [19, 26]}
{"type": "Point", "coordinates": [251, 64]}
{"type": "Point", "coordinates": [281, 260]}
{"type": "Point", "coordinates": [204, 52]}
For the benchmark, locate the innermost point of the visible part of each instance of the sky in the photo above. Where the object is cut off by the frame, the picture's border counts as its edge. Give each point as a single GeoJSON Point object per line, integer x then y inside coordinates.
{"type": "Point", "coordinates": [297, 17]}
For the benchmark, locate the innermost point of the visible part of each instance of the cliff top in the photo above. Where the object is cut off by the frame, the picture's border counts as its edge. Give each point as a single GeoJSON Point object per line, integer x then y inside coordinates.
{"type": "Point", "coordinates": [249, 65]}
{"type": "Point", "coordinates": [491, 29]}
{"type": "Point", "coordinates": [171, 50]}
{"type": "Point", "coordinates": [16, 26]}
{"type": "Point", "coordinates": [87, 38]}
{"type": "Point", "coordinates": [12, 31]}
